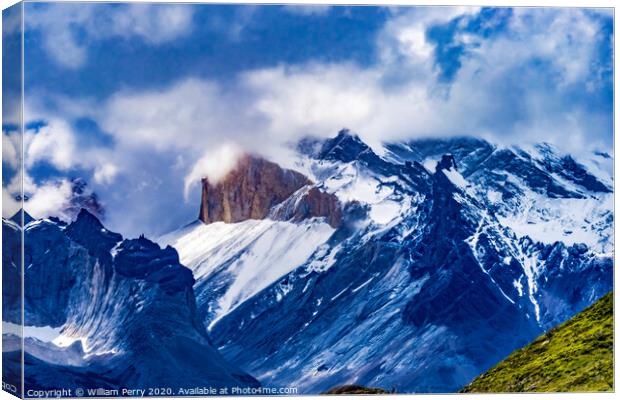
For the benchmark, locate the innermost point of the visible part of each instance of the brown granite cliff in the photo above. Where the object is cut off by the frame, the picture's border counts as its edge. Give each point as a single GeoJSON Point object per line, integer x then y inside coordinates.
{"type": "Point", "coordinates": [257, 189]}
{"type": "Point", "coordinates": [249, 191]}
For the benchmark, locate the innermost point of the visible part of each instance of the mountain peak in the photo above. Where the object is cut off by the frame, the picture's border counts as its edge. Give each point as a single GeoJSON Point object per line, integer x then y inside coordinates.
{"type": "Point", "coordinates": [85, 217]}
{"type": "Point", "coordinates": [346, 147]}
{"type": "Point", "coordinates": [17, 218]}
{"type": "Point", "coordinates": [249, 191]}
{"type": "Point", "coordinates": [88, 230]}
{"type": "Point", "coordinates": [346, 133]}
{"type": "Point", "coordinates": [143, 259]}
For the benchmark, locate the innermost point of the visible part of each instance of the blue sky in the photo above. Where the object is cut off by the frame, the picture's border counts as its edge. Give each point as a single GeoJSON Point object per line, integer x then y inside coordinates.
{"type": "Point", "coordinates": [221, 42]}
{"type": "Point", "coordinates": [137, 98]}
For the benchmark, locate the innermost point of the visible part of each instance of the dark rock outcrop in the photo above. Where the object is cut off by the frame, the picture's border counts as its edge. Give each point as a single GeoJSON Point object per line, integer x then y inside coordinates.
{"type": "Point", "coordinates": [129, 302]}
{"type": "Point", "coordinates": [22, 218]}
{"type": "Point", "coordinates": [249, 191]}
{"type": "Point", "coordinates": [447, 162]}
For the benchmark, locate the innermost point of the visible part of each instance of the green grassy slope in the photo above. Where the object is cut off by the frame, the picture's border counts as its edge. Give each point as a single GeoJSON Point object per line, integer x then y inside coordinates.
{"type": "Point", "coordinates": [576, 356]}
{"type": "Point", "coordinates": [355, 389]}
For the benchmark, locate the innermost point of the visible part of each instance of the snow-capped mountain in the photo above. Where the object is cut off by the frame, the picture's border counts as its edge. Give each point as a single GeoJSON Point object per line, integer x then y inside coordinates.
{"type": "Point", "coordinates": [101, 311]}
{"type": "Point", "coordinates": [415, 266]}
{"type": "Point", "coordinates": [534, 190]}
{"type": "Point", "coordinates": [447, 255]}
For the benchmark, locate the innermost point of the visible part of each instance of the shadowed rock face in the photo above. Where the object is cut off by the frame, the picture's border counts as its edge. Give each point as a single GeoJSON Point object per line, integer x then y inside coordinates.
{"type": "Point", "coordinates": [131, 301]}
{"type": "Point", "coordinates": [249, 191]}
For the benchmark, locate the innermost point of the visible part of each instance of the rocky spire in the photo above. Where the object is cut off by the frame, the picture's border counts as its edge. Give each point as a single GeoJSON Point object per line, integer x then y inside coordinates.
{"type": "Point", "coordinates": [249, 191]}
{"type": "Point", "coordinates": [447, 162]}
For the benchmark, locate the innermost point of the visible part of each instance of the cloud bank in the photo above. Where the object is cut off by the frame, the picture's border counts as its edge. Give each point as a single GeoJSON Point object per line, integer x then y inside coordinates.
{"type": "Point", "coordinates": [511, 76]}
{"type": "Point", "coordinates": [67, 32]}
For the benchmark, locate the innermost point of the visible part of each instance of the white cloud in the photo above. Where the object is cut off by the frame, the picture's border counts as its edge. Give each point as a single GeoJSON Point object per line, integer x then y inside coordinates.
{"type": "Point", "coordinates": [68, 29]}
{"type": "Point", "coordinates": [155, 23]}
{"type": "Point", "coordinates": [54, 142]}
{"type": "Point", "coordinates": [50, 199]}
{"type": "Point", "coordinates": [236, 26]}
{"type": "Point", "coordinates": [57, 143]}
{"type": "Point", "coordinates": [404, 35]}
{"type": "Point", "coordinates": [160, 136]}
{"type": "Point", "coordinates": [279, 104]}
{"type": "Point", "coordinates": [213, 165]}
{"type": "Point", "coordinates": [184, 115]}
{"type": "Point", "coordinates": [11, 65]}
{"type": "Point", "coordinates": [496, 93]}
{"type": "Point", "coordinates": [317, 99]}
{"type": "Point", "coordinates": [11, 148]}
{"type": "Point", "coordinates": [308, 9]}
{"type": "Point", "coordinates": [105, 173]}
{"type": "Point", "coordinates": [10, 206]}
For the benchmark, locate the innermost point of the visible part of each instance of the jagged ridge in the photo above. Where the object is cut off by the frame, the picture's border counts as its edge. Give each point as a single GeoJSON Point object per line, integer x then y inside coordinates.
{"type": "Point", "coordinates": [128, 305]}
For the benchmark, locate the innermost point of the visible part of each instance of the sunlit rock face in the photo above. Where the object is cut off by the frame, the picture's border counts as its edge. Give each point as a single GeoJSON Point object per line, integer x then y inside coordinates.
{"type": "Point", "coordinates": [309, 203]}
{"type": "Point", "coordinates": [249, 191]}
{"type": "Point", "coordinates": [258, 189]}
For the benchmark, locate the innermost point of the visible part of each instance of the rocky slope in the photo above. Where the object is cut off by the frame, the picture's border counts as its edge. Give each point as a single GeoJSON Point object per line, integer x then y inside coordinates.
{"type": "Point", "coordinates": [448, 256]}
{"type": "Point", "coordinates": [577, 356]}
{"type": "Point", "coordinates": [103, 311]}
{"type": "Point", "coordinates": [309, 202]}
